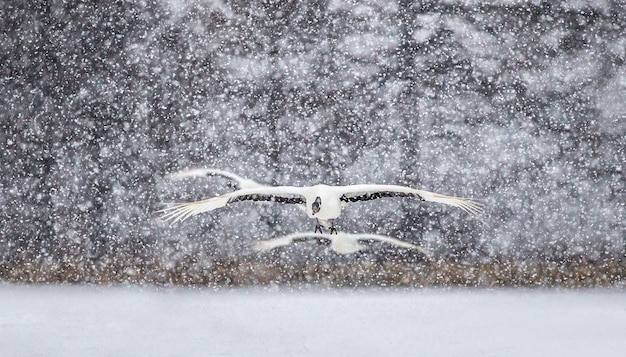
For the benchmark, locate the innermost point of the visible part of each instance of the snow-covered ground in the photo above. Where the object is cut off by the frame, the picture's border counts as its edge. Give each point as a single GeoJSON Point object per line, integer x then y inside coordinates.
{"type": "Point", "coordinates": [100, 321]}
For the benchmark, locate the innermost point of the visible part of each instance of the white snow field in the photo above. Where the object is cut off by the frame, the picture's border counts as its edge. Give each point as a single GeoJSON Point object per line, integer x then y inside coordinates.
{"type": "Point", "coordinates": [133, 321]}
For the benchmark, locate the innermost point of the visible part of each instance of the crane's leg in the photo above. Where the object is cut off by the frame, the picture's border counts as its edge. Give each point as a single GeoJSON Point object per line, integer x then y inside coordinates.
{"type": "Point", "coordinates": [318, 226]}
{"type": "Point", "coordinates": [333, 229]}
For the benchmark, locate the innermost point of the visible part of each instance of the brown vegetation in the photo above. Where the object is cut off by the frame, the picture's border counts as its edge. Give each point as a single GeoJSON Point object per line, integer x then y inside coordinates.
{"type": "Point", "coordinates": [358, 272]}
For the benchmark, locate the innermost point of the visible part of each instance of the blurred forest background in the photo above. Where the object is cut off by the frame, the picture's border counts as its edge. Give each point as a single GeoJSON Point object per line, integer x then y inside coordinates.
{"type": "Point", "coordinates": [521, 105]}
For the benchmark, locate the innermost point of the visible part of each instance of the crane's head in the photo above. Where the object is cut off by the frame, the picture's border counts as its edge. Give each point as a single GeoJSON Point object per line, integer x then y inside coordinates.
{"type": "Point", "coordinates": [315, 207]}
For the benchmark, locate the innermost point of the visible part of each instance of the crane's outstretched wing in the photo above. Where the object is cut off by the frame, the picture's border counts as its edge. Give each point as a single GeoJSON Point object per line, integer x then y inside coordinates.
{"type": "Point", "coordinates": [241, 183]}
{"type": "Point", "coordinates": [282, 194]}
{"type": "Point", "coordinates": [370, 192]}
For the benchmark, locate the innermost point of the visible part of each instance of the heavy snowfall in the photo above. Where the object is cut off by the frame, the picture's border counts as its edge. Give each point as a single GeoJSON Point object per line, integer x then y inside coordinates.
{"type": "Point", "coordinates": [518, 105]}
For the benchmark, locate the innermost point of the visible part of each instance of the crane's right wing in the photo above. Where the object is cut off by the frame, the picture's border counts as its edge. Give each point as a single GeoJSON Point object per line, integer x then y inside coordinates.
{"type": "Point", "coordinates": [179, 212]}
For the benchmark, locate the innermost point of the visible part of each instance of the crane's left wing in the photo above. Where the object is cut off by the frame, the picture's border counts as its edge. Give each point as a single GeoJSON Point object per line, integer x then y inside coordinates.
{"type": "Point", "coordinates": [370, 192]}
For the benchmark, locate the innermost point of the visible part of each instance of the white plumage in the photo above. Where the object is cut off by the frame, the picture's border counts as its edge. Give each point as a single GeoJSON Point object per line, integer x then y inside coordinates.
{"type": "Point", "coordinates": [342, 243]}
{"type": "Point", "coordinates": [321, 202]}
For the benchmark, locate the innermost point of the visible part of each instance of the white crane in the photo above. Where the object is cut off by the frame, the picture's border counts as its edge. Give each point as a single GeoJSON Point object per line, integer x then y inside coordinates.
{"type": "Point", "coordinates": [322, 202]}
{"type": "Point", "coordinates": [342, 243]}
